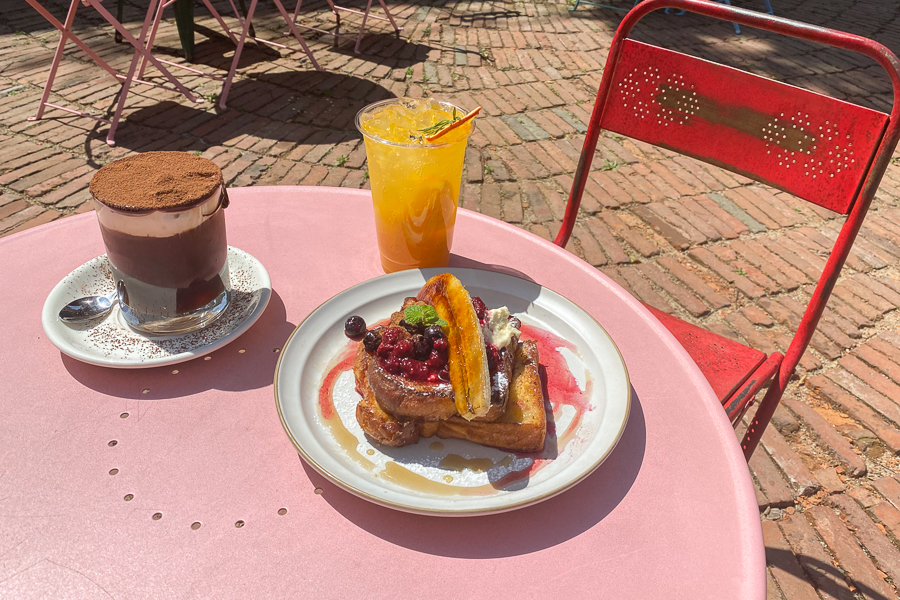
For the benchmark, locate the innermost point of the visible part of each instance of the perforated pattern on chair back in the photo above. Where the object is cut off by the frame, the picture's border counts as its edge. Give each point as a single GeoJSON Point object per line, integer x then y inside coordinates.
{"type": "Point", "coordinates": [813, 146]}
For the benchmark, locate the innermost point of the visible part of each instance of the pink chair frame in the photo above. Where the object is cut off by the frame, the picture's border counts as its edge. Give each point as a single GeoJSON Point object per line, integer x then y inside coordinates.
{"type": "Point", "coordinates": [142, 52]}
{"type": "Point", "coordinates": [245, 33]}
{"type": "Point", "coordinates": [362, 28]}
{"type": "Point", "coordinates": [855, 203]}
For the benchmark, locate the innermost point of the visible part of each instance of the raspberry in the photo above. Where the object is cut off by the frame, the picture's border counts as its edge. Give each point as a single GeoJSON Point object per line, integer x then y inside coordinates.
{"type": "Point", "coordinates": [440, 345]}
{"type": "Point", "coordinates": [384, 350]}
{"type": "Point", "coordinates": [435, 362]}
{"type": "Point", "coordinates": [420, 371]}
{"type": "Point", "coordinates": [390, 365]}
{"type": "Point", "coordinates": [403, 349]}
{"type": "Point", "coordinates": [480, 308]}
{"type": "Point", "coordinates": [493, 356]}
{"type": "Point", "coordinates": [406, 366]}
{"type": "Point", "coordinates": [391, 335]}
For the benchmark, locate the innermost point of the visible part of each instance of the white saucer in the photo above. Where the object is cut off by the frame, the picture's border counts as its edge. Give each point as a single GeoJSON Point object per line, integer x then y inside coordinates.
{"type": "Point", "coordinates": [111, 343]}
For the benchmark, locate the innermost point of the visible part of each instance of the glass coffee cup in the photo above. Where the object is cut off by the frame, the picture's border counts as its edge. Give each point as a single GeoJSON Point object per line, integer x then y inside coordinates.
{"type": "Point", "coordinates": [162, 219]}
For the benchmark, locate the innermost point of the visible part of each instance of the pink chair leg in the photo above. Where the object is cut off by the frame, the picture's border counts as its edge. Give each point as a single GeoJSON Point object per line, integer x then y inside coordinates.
{"type": "Point", "coordinates": [60, 47]}
{"type": "Point", "coordinates": [152, 38]}
{"type": "Point", "coordinates": [126, 85]}
{"type": "Point", "coordinates": [237, 55]}
{"type": "Point", "coordinates": [362, 27]}
{"type": "Point", "coordinates": [66, 33]}
{"type": "Point", "coordinates": [296, 32]}
{"type": "Point", "coordinates": [215, 14]}
{"type": "Point", "coordinates": [139, 47]}
{"type": "Point", "coordinates": [387, 13]}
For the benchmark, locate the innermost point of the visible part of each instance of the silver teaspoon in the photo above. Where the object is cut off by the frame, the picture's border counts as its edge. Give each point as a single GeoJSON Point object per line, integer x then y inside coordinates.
{"type": "Point", "coordinates": [88, 308]}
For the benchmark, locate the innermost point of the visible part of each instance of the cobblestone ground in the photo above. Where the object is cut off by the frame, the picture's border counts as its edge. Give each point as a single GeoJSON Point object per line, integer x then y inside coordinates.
{"type": "Point", "coordinates": [711, 247]}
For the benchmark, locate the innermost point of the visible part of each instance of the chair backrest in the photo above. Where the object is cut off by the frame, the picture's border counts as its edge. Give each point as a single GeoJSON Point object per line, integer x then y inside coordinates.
{"type": "Point", "coordinates": [829, 152]}
{"type": "Point", "coordinates": [813, 146]}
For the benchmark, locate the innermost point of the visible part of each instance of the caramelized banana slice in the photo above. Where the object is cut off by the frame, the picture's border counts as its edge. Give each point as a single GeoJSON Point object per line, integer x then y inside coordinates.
{"type": "Point", "coordinates": [467, 356]}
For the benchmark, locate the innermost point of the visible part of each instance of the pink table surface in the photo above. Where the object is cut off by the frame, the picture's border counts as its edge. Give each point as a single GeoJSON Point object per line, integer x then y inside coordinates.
{"type": "Point", "coordinates": [670, 514]}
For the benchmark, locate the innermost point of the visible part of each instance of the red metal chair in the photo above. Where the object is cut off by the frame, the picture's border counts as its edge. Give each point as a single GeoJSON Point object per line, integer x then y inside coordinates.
{"type": "Point", "coordinates": [823, 150]}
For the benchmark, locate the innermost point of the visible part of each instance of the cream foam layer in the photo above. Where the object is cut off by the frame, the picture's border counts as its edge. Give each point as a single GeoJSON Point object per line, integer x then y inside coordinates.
{"type": "Point", "coordinates": [159, 224]}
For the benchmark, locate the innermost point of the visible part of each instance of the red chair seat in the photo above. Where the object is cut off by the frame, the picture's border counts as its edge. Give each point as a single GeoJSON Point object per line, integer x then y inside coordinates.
{"type": "Point", "coordinates": [726, 364]}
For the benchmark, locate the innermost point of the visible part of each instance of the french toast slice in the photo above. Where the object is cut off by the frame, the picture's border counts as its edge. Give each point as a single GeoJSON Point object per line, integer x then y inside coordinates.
{"type": "Point", "coordinates": [403, 397]}
{"type": "Point", "coordinates": [384, 428]}
{"type": "Point", "coordinates": [523, 425]}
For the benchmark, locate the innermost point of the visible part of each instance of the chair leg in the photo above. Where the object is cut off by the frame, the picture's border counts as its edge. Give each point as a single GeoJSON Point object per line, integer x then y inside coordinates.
{"type": "Point", "coordinates": [215, 14]}
{"type": "Point", "coordinates": [736, 405]}
{"type": "Point", "coordinates": [362, 27]}
{"type": "Point", "coordinates": [120, 14]}
{"type": "Point", "coordinates": [762, 417]}
{"type": "Point", "coordinates": [237, 55]}
{"type": "Point", "coordinates": [390, 17]}
{"type": "Point", "coordinates": [152, 38]}
{"type": "Point", "coordinates": [296, 33]}
{"type": "Point", "coordinates": [57, 57]}
{"type": "Point", "coordinates": [126, 85]}
{"type": "Point", "coordinates": [139, 47]}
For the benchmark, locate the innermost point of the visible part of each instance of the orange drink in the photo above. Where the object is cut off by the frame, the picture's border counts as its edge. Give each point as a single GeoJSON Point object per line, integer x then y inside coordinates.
{"type": "Point", "coordinates": [415, 183]}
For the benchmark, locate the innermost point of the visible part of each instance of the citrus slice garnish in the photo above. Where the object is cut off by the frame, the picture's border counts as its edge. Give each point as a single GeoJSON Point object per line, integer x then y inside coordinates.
{"type": "Point", "coordinates": [442, 127]}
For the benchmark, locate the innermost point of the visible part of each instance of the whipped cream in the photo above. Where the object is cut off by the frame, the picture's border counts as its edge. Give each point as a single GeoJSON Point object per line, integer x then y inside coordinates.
{"type": "Point", "coordinates": [158, 223]}
{"type": "Point", "coordinates": [497, 328]}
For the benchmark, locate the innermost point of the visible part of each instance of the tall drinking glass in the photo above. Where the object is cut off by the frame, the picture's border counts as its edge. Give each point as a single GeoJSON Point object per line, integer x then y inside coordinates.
{"type": "Point", "coordinates": [162, 219]}
{"type": "Point", "coordinates": [415, 183]}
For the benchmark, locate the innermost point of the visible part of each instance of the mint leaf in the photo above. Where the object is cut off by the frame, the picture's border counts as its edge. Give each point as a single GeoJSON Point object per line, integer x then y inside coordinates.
{"type": "Point", "coordinates": [416, 314]}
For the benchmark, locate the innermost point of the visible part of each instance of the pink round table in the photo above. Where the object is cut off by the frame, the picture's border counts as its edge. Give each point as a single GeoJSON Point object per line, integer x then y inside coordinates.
{"type": "Point", "coordinates": [670, 514]}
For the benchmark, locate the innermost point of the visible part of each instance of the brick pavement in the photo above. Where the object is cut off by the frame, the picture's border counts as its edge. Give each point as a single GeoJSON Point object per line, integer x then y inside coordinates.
{"type": "Point", "coordinates": [709, 246]}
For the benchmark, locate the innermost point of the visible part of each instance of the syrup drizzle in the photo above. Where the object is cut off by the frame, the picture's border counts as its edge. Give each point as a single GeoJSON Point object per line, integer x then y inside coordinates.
{"type": "Point", "coordinates": [561, 388]}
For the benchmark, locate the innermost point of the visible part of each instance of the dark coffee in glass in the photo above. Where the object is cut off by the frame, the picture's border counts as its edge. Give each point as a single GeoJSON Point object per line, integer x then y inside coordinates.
{"type": "Point", "coordinates": [162, 219]}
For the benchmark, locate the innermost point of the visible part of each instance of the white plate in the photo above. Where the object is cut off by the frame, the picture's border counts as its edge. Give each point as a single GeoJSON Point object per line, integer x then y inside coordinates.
{"type": "Point", "coordinates": [413, 478]}
{"type": "Point", "coordinates": [111, 343]}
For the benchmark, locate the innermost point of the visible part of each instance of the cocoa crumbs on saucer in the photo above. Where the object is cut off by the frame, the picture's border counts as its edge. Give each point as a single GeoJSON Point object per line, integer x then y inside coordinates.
{"type": "Point", "coordinates": [156, 181]}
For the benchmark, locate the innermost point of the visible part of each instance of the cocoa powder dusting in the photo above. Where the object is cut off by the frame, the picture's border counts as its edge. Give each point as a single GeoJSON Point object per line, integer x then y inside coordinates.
{"type": "Point", "coordinates": [156, 181]}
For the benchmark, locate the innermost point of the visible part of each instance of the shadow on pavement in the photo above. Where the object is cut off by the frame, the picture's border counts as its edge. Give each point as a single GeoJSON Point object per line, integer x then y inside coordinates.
{"type": "Point", "coordinates": [805, 64]}
{"type": "Point", "coordinates": [828, 579]}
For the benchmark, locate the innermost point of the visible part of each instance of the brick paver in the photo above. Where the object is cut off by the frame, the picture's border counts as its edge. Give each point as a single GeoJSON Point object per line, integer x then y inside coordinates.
{"type": "Point", "coordinates": [690, 239]}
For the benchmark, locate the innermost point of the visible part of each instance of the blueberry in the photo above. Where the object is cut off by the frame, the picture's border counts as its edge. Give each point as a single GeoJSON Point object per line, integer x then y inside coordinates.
{"type": "Point", "coordinates": [412, 329]}
{"type": "Point", "coordinates": [371, 341]}
{"type": "Point", "coordinates": [434, 332]}
{"type": "Point", "coordinates": [421, 347]}
{"type": "Point", "coordinates": [354, 326]}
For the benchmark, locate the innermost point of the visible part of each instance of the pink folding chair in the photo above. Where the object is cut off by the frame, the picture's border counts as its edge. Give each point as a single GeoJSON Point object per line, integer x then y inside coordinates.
{"type": "Point", "coordinates": [246, 22]}
{"type": "Point", "coordinates": [155, 28]}
{"type": "Point", "coordinates": [142, 53]}
{"type": "Point", "coordinates": [362, 28]}
{"type": "Point", "coordinates": [823, 150]}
